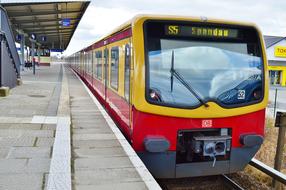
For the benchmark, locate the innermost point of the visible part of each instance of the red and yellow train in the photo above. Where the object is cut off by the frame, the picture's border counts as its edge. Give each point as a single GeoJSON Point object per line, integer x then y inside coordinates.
{"type": "Point", "coordinates": [188, 93]}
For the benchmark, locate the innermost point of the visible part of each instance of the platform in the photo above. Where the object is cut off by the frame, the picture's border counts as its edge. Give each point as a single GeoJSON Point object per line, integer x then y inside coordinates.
{"type": "Point", "coordinates": [55, 135]}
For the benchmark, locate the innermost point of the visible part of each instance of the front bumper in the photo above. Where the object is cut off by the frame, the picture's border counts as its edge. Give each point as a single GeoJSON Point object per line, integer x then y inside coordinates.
{"type": "Point", "coordinates": [163, 165]}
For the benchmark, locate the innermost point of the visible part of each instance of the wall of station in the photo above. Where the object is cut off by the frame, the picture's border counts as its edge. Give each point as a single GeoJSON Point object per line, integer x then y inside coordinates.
{"type": "Point", "coordinates": [276, 55]}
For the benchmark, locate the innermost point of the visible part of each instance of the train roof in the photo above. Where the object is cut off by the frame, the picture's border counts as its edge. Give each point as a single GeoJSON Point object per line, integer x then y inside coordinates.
{"type": "Point", "coordinates": [130, 22]}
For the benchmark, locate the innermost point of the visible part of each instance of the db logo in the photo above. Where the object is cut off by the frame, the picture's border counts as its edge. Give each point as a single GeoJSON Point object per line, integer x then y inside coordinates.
{"type": "Point", "coordinates": [207, 123]}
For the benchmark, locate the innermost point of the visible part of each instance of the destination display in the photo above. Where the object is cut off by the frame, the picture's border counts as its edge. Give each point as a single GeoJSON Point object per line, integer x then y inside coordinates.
{"type": "Point", "coordinates": [194, 31]}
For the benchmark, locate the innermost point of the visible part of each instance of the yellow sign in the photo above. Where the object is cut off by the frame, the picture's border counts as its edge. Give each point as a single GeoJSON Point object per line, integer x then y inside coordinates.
{"type": "Point", "coordinates": [173, 30]}
{"type": "Point", "coordinates": [280, 51]}
{"type": "Point", "coordinates": [215, 32]}
{"type": "Point", "coordinates": [197, 31]}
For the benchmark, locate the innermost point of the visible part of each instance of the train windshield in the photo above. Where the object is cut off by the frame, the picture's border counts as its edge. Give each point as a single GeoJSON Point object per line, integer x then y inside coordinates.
{"type": "Point", "coordinates": [190, 65]}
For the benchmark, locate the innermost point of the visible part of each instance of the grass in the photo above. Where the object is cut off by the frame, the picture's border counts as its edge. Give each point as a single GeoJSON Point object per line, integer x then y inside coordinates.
{"type": "Point", "coordinates": [266, 154]}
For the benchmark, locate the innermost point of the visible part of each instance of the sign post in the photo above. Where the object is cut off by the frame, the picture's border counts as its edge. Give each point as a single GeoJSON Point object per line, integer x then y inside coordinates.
{"type": "Point", "coordinates": [280, 122]}
{"type": "Point", "coordinates": [33, 58]}
{"type": "Point", "coordinates": [39, 55]}
{"type": "Point", "coordinates": [33, 40]}
{"type": "Point", "coordinates": [22, 51]}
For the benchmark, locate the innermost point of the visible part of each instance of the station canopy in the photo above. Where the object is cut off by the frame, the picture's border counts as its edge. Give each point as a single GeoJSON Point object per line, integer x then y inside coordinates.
{"type": "Point", "coordinates": [51, 22]}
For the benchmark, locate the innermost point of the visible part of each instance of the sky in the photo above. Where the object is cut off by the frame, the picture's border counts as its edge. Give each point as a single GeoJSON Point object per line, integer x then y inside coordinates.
{"type": "Point", "coordinates": [102, 16]}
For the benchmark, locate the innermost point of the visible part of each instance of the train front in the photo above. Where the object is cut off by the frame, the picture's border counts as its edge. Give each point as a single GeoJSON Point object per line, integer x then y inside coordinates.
{"type": "Point", "coordinates": [199, 107]}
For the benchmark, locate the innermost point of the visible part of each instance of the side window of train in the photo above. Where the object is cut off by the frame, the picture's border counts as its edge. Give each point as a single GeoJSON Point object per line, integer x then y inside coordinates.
{"type": "Point", "coordinates": [114, 67]}
{"type": "Point", "coordinates": [94, 64]}
{"type": "Point", "coordinates": [127, 72]}
{"type": "Point", "coordinates": [85, 63]}
{"type": "Point", "coordinates": [98, 69]}
{"type": "Point", "coordinates": [106, 66]}
{"type": "Point", "coordinates": [90, 63]}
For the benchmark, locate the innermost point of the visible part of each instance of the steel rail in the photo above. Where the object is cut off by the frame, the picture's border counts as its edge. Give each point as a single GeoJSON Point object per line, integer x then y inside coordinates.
{"type": "Point", "coordinates": [268, 170]}
{"type": "Point", "coordinates": [230, 183]}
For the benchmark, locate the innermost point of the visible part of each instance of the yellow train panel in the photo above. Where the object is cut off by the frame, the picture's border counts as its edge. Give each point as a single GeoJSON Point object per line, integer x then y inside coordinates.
{"type": "Point", "coordinates": [214, 110]}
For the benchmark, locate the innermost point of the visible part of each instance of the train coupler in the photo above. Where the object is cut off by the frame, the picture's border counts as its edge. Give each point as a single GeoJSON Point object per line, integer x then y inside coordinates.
{"type": "Point", "coordinates": [202, 146]}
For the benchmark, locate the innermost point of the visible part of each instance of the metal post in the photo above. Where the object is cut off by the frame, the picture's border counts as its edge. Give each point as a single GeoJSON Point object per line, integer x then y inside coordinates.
{"type": "Point", "coordinates": [0, 55]}
{"type": "Point", "coordinates": [275, 103]}
{"type": "Point", "coordinates": [22, 51]}
{"type": "Point", "coordinates": [39, 52]}
{"type": "Point", "coordinates": [33, 55]}
{"type": "Point", "coordinates": [281, 123]}
{"type": "Point", "coordinates": [28, 53]}
{"type": "Point", "coordinates": [0, 18]}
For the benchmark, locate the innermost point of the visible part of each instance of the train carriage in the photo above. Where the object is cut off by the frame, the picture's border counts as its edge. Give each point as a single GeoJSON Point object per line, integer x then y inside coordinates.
{"type": "Point", "coordinates": [188, 93]}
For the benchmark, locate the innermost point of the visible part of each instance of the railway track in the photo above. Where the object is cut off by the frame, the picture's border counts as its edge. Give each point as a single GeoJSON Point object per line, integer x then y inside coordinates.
{"type": "Point", "coordinates": [237, 181]}
{"type": "Point", "coordinates": [231, 184]}
{"type": "Point", "coordinates": [218, 182]}
{"type": "Point", "coordinates": [194, 183]}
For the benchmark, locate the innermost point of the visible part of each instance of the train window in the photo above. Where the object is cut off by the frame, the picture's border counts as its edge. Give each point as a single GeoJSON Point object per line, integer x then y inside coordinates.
{"type": "Point", "coordinates": [94, 64]}
{"type": "Point", "coordinates": [114, 67]}
{"type": "Point", "coordinates": [106, 68]}
{"type": "Point", "coordinates": [84, 62]}
{"type": "Point", "coordinates": [89, 62]}
{"type": "Point", "coordinates": [127, 72]}
{"type": "Point", "coordinates": [98, 63]}
{"type": "Point", "coordinates": [189, 64]}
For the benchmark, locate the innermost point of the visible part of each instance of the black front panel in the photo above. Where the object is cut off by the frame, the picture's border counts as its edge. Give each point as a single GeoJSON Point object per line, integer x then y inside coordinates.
{"type": "Point", "coordinates": [203, 145]}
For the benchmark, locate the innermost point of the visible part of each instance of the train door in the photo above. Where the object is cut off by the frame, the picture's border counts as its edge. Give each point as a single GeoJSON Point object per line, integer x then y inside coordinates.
{"type": "Point", "coordinates": [127, 81]}
{"type": "Point", "coordinates": [105, 73]}
{"type": "Point", "coordinates": [82, 63]}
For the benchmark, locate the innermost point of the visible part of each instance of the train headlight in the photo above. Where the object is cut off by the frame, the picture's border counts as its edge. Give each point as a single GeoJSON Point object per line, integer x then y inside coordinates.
{"type": "Point", "coordinates": [257, 94]}
{"type": "Point", "coordinates": [155, 95]}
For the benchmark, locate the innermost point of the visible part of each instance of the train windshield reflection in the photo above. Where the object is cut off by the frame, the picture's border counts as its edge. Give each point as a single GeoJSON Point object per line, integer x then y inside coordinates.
{"type": "Point", "coordinates": [223, 72]}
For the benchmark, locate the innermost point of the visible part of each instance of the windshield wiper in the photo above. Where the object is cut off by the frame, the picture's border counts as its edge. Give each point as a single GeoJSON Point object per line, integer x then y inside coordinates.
{"type": "Point", "coordinates": [183, 81]}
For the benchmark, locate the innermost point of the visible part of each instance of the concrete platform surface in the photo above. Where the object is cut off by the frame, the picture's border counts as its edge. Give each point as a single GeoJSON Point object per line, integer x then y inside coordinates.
{"type": "Point", "coordinates": [26, 146]}
{"type": "Point", "coordinates": [55, 135]}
